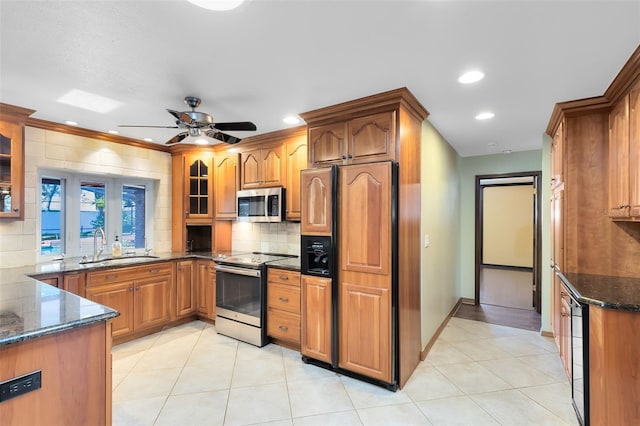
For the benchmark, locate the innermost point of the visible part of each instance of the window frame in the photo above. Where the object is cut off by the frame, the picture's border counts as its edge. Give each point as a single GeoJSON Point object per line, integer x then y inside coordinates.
{"type": "Point", "coordinates": [70, 209]}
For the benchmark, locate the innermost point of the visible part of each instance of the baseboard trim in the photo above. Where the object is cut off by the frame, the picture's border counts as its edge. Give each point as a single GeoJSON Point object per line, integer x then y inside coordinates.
{"type": "Point", "coordinates": [425, 351]}
{"type": "Point", "coordinates": [467, 301]}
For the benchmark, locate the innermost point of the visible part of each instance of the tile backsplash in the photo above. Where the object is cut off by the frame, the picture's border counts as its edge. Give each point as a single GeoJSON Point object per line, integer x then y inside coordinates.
{"type": "Point", "coordinates": [283, 237]}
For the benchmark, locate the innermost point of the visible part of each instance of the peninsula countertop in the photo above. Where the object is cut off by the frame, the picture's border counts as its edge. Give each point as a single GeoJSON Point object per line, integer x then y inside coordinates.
{"type": "Point", "coordinates": [622, 293]}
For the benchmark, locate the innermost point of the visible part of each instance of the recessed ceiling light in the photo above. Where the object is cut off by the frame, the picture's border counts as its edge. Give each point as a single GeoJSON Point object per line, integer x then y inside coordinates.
{"type": "Point", "coordinates": [291, 119]}
{"type": "Point", "coordinates": [71, 123]}
{"type": "Point", "coordinates": [114, 132]}
{"type": "Point", "coordinates": [485, 116]}
{"type": "Point", "coordinates": [147, 140]}
{"type": "Point", "coordinates": [201, 141]}
{"type": "Point", "coordinates": [217, 4]}
{"type": "Point", "coordinates": [471, 77]}
{"type": "Point", "coordinates": [89, 101]}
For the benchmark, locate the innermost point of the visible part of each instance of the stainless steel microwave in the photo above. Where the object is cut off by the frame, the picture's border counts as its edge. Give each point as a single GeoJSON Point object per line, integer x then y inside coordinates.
{"type": "Point", "coordinates": [261, 205]}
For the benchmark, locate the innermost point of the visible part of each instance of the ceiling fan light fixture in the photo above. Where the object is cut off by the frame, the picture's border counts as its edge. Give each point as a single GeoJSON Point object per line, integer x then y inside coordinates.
{"type": "Point", "coordinates": [201, 141]}
{"type": "Point", "coordinates": [219, 5]}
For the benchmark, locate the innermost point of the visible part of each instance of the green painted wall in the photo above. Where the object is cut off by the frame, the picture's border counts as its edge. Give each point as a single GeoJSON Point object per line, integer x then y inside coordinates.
{"type": "Point", "coordinates": [440, 220]}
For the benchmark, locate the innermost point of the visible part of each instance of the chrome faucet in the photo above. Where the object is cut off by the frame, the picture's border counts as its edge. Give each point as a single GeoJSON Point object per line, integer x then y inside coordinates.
{"type": "Point", "coordinates": [96, 252]}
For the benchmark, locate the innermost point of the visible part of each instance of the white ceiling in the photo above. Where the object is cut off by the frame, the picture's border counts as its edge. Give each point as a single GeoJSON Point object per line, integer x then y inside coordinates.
{"type": "Point", "coordinates": [269, 58]}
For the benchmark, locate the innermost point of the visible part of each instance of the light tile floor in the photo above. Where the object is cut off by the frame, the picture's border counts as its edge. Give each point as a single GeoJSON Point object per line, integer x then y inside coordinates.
{"type": "Point", "coordinates": [475, 374]}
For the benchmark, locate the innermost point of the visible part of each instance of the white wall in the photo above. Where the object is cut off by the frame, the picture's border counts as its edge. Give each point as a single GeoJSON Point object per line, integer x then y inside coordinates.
{"type": "Point", "coordinates": [54, 150]}
{"type": "Point", "coordinates": [440, 182]}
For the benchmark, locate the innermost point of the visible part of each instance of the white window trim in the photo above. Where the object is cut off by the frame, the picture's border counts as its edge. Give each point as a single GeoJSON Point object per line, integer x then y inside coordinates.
{"type": "Point", "coordinates": [70, 195]}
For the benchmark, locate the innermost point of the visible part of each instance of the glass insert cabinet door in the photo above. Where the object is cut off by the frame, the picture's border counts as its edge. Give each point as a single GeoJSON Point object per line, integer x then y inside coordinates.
{"type": "Point", "coordinates": [11, 170]}
{"type": "Point", "coordinates": [198, 184]}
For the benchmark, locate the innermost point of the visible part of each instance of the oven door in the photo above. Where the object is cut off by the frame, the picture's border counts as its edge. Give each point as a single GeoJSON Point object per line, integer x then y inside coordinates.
{"type": "Point", "coordinates": [239, 294]}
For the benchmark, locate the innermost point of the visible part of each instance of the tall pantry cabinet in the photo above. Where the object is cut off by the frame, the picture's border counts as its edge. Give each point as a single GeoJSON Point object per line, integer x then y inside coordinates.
{"type": "Point", "coordinates": [377, 298]}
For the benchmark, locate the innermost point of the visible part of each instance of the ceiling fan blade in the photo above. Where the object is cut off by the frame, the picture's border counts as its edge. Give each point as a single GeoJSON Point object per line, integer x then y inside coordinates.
{"type": "Point", "coordinates": [222, 136]}
{"type": "Point", "coordinates": [177, 138]}
{"type": "Point", "coordinates": [175, 113]}
{"type": "Point", "coordinates": [237, 125]}
{"type": "Point", "coordinates": [156, 127]}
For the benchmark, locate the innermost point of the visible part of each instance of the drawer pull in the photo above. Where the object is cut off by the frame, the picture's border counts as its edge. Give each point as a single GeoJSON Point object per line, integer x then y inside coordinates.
{"type": "Point", "coordinates": [284, 277]}
{"type": "Point", "coordinates": [154, 271]}
{"type": "Point", "coordinates": [283, 328]}
{"type": "Point", "coordinates": [130, 288]}
{"type": "Point", "coordinates": [111, 277]}
{"type": "Point", "coordinates": [284, 299]}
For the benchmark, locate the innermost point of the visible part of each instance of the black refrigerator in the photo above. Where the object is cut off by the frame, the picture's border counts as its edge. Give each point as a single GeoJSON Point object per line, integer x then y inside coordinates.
{"type": "Point", "coordinates": [350, 271]}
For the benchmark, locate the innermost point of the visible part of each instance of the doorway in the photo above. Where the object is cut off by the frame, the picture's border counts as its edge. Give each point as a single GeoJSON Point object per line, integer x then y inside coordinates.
{"type": "Point", "coordinates": [508, 235]}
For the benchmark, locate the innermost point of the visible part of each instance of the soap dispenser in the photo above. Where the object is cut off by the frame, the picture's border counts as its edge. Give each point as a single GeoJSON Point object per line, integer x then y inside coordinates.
{"type": "Point", "coordinates": [116, 248]}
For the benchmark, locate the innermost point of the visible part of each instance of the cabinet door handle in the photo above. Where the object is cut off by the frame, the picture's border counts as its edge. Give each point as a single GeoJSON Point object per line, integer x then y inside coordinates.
{"type": "Point", "coordinates": [284, 277]}
{"type": "Point", "coordinates": [284, 299]}
{"type": "Point", "coordinates": [130, 288]}
{"type": "Point", "coordinates": [16, 210]}
{"type": "Point", "coordinates": [283, 327]}
{"type": "Point", "coordinates": [154, 271]}
{"type": "Point", "coordinates": [563, 293]}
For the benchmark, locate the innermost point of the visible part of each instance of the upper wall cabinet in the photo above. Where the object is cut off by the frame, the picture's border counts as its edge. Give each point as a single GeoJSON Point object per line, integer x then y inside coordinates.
{"type": "Point", "coordinates": [557, 157]}
{"type": "Point", "coordinates": [624, 157]}
{"type": "Point", "coordinates": [296, 148]}
{"type": "Point", "coordinates": [12, 121]}
{"type": "Point", "coordinates": [363, 139]}
{"type": "Point", "coordinates": [262, 167]}
{"type": "Point", "coordinates": [227, 183]}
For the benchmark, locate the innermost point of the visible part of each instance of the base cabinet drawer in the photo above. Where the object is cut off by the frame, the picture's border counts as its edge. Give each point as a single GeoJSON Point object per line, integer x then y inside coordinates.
{"type": "Point", "coordinates": [283, 325]}
{"type": "Point", "coordinates": [285, 297]}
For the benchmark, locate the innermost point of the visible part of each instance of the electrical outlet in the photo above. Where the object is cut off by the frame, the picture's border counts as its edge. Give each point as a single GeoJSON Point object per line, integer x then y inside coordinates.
{"type": "Point", "coordinates": [426, 240]}
{"type": "Point", "coordinates": [20, 385]}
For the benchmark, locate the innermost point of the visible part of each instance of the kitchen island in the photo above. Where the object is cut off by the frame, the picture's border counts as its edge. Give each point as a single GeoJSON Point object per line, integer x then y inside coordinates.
{"type": "Point", "coordinates": [613, 345]}
{"type": "Point", "coordinates": [62, 344]}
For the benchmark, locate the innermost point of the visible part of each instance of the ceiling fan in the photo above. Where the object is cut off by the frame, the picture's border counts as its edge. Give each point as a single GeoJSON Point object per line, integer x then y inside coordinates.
{"type": "Point", "coordinates": [197, 123]}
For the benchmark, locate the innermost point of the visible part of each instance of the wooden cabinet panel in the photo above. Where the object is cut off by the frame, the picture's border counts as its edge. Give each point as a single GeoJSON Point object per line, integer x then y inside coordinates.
{"type": "Point", "coordinates": [206, 300]}
{"type": "Point", "coordinates": [634, 151]}
{"type": "Point", "coordinates": [565, 330]}
{"type": "Point", "coordinates": [296, 161]}
{"type": "Point", "coordinates": [51, 279]}
{"type": "Point", "coordinates": [262, 167]}
{"type": "Point", "coordinates": [185, 288]}
{"type": "Point", "coordinates": [365, 330]}
{"type": "Point", "coordinates": [327, 144]}
{"type": "Point", "coordinates": [317, 200]}
{"type": "Point", "coordinates": [227, 183]}
{"type": "Point", "coordinates": [283, 325]}
{"type": "Point", "coordinates": [118, 296]}
{"type": "Point", "coordinates": [152, 301]}
{"type": "Point", "coordinates": [199, 185]}
{"type": "Point", "coordinates": [284, 276]}
{"type": "Point", "coordinates": [316, 318]}
{"type": "Point", "coordinates": [557, 157]}
{"type": "Point", "coordinates": [366, 198]}
{"type": "Point", "coordinates": [619, 159]}
{"type": "Point", "coordinates": [372, 138]}
{"type": "Point", "coordinates": [74, 283]}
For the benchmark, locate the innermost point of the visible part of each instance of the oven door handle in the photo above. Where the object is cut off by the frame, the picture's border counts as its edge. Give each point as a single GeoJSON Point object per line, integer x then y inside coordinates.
{"type": "Point", "coordinates": [238, 271]}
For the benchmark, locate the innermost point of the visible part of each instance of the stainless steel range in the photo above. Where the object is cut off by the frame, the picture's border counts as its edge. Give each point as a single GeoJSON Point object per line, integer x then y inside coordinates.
{"type": "Point", "coordinates": [241, 296]}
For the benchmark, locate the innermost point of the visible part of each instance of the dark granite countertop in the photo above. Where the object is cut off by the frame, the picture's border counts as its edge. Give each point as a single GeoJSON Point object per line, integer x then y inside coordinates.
{"type": "Point", "coordinates": [621, 293]}
{"type": "Point", "coordinates": [30, 309]}
{"type": "Point", "coordinates": [291, 263]}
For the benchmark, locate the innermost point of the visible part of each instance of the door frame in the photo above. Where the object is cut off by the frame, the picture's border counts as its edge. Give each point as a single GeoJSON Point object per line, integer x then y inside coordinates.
{"type": "Point", "coordinates": [537, 234]}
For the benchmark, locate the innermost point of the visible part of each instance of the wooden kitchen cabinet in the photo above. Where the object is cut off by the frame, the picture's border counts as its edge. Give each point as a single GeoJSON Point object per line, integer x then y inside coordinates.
{"type": "Point", "coordinates": [296, 160]}
{"type": "Point", "coordinates": [54, 279]}
{"type": "Point", "coordinates": [74, 282]}
{"type": "Point", "coordinates": [364, 139]}
{"type": "Point", "coordinates": [227, 183]}
{"type": "Point", "coordinates": [565, 329]}
{"type": "Point", "coordinates": [186, 290]}
{"type": "Point", "coordinates": [624, 157]}
{"type": "Point", "coordinates": [364, 271]}
{"type": "Point", "coordinates": [262, 167]}
{"type": "Point", "coordinates": [317, 199]}
{"type": "Point", "coordinates": [141, 294]}
{"type": "Point", "coordinates": [316, 318]}
{"type": "Point", "coordinates": [12, 121]}
{"type": "Point", "coordinates": [283, 306]}
{"type": "Point", "coordinates": [557, 157]}
{"type": "Point", "coordinates": [206, 299]}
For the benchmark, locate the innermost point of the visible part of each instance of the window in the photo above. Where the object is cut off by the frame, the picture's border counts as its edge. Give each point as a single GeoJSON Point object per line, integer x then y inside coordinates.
{"type": "Point", "coordinates": [120, 206]}
{"type": "Point", "coordinates": [52, 217]}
